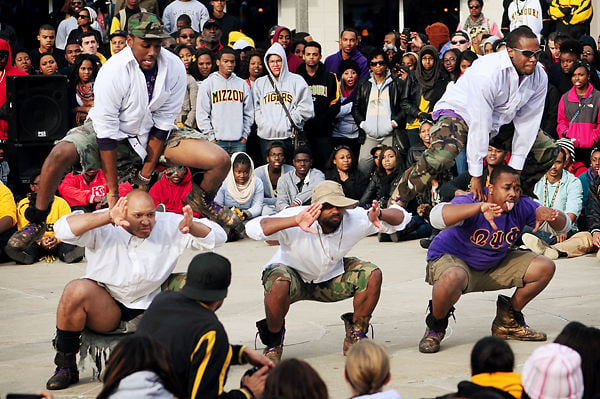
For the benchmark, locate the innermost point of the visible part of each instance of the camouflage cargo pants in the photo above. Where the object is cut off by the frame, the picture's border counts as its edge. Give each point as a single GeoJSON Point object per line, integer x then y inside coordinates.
{"type": "Point", "coordinates": [354, 279]}
{"type": "Point", "coordinates": [448, 138]}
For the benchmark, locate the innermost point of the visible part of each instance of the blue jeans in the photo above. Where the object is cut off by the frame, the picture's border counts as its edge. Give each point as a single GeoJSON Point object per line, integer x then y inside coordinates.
{"type": "Point", "coordinates": [461, 162]}
{"type": "Point", "coordinates": [232, 146]}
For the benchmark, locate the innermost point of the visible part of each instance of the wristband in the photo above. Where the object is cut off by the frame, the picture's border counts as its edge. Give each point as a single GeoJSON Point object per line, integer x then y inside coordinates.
{"type": "Point", "coordinates": [380, 213]}
{"type": "Point", "coordinates": [144, 180]}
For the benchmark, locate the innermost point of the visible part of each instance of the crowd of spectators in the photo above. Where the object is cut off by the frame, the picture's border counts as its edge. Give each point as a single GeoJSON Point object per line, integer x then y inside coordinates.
{"type": "Point", "coordinates": [361, 117]}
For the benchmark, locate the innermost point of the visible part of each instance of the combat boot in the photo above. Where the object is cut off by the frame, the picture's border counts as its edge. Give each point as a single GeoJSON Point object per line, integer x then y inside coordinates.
{"type": "Point", "coordinates": [355, 330]}
{"type": "Point", "coordinates": [273, 341]}
{"type": "Point", "coordinates": [66, 372]}
{"type": "Point", "coordinates": [435, 331]}
{"type": "Point", "coordinates": [201, 202]}
{"type": "Point", "coordinates": [510, 323]}
{"type": "Point", "coordinates": [578, 244]}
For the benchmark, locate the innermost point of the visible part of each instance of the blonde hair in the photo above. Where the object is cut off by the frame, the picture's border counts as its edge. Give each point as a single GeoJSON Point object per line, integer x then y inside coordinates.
{"type": "Point", "coordinates": [367, 367]}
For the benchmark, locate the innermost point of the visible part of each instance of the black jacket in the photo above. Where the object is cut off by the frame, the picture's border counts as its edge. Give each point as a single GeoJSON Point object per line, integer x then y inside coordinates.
{"type": "Point", "coordinates": [593, 215]}
{"type": "Point", "coordinates": [326, 100]}
{"type": "Point", "coordinates": [399, 102]}
{"type": "Point", "coordinates": [354, 186]}
{"type": "Point", "coordinates": [196, 341]}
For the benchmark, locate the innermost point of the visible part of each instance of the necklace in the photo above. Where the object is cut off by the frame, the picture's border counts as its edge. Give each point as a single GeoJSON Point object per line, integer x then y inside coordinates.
{"type": "Point", "coordinates": [546, 193]}
{"type": "Point", "coordinates": [339, 242]}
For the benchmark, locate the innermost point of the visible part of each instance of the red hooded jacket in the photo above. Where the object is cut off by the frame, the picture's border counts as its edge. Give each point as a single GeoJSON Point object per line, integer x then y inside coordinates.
{"type": "Point", "coordinates": [172, 196]}
{"type": "Point", "coordinates": [293, 60]}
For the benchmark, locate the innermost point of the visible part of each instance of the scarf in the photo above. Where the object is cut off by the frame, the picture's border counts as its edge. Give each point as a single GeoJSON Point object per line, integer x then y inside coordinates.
{"type": "Point", "coordinates": [428, 78]}
{"type": "Point", "coordinates": [240, 193]}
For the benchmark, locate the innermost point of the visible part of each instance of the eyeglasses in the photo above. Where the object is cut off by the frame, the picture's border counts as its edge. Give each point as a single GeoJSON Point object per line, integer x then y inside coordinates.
{"type": "Point", "coordinates": [461, 41]}
{"type": "Point", "coordinates": [588, 53]}
{"type": "Point", "coordinates": [474, 7]}
{"type": "Point", "coordinates": [529, 53]}
{"type": "Point", "coordinates": [82, 16]}
{"type": "Point", "coordinates": [375, 63]}
{"type": "Point", "coordinates": [449, 60]}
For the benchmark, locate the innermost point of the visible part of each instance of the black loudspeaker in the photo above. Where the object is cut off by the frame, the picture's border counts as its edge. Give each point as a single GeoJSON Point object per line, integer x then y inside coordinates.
{"type": "Point", "coordinates": [38, 109]}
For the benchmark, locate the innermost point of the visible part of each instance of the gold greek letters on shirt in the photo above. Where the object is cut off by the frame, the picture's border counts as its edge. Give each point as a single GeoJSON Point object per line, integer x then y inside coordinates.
{"type": "Point", "coordinates": [227, 95]}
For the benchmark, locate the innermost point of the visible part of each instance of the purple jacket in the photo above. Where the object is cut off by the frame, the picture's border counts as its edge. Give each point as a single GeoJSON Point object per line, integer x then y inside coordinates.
{"type": "Point", "coordinates": [332, 63]}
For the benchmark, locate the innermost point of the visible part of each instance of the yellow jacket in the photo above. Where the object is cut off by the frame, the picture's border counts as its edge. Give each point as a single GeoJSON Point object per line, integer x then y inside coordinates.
{"type": "Point", "coordinates": [508, 382]}
{"type": "Point", "coordinates": [7, 204]}
{"type": "Point", "coordinates": [581, 11]}
{"type": "Point", "coordinates": [59, 209]}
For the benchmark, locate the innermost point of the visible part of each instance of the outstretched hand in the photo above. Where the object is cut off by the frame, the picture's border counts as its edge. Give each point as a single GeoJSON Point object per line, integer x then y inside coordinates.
{"type": "Point", "coordinates": [118, 213]}
{"type": "Point", "coordinates": [374, 215]}
{"type": "Point", "coordinates": [188, 219]}
{"type": "Point", "coordinates": [490, 212]}
{"type": "Point", "coordinates": [307, 217]}
{"type": "Point", "coordinates": [544, 214]}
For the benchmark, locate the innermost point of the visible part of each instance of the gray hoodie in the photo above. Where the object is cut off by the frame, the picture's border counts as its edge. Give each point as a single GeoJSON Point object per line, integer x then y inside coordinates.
{"type": "Point", "coordinates": [143, 384]}
{"type": "Point", "coordinates": [270, 117]}
{"type": "Point", "coordinates": [224, 109]}
{"type": "Point", "coordinates": [378, 121]}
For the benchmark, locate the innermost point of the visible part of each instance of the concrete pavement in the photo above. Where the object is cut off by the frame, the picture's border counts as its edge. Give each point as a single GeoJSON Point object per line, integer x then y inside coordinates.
{"type": "Point", "coordinates": [29, 295]}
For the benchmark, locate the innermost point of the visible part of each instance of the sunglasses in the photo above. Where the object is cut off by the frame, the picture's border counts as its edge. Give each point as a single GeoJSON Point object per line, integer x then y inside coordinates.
{"type": "Point", "coordinates": [82, 16]}
{"type": "Point", "coordinates": [76, 3]}
{"type": "Point", "coordinates": [375, 63]}
{"type": "Point", "coordinates": [455, 42]}
{"type": "Point", "coordinates": [342, 147]}
{"type": "Point", "coordinates": [187, 36]}
{"type": "Point", "coordinates": [588, 53]}
{"type": "Point", "coordinates": [529, 53]}
{"type": "Point", "coordinates": [474, 7]}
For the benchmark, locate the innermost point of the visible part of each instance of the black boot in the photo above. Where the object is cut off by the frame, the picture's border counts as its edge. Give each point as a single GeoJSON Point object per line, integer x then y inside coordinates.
{"type": "Point", "coordinates": [66, 372]}
{"type": "Point", "coordinates": [273, 341]}
{"type": "Point", "coordinates": [435, 331]}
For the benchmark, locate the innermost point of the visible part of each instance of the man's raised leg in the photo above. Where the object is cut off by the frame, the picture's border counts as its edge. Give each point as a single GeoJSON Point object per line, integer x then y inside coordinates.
{"type": "Point", "coordinates": [510, 322]}
{"type": "Point", "coordinates": [62, 156]}
{"type": "Point", "coordinates": [215, 163]}
{"type": "Point", "coordinates": [83, 304]}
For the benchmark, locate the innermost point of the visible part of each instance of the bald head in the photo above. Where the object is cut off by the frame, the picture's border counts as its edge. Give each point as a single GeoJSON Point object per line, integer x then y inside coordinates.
{"type": "Point", "coordinates": [141, 213]}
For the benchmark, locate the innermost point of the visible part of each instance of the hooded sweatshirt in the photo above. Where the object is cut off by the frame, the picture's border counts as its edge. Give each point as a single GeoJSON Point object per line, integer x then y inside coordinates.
{"type": "Point", "coordinates": [378, 121]}
{"type": "Point", "coordinates": [172, 196]}
{"type": "Point", "coordinates": [224, 109]}
{"type": "Point", "coordinates": [271, 120]}
{"type": "Point", "coordinates": [142, 384]}
{"type": "Point", "coordinates": [9, 70]}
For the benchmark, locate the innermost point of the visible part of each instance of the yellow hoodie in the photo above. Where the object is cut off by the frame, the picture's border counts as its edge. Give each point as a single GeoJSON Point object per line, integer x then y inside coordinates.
{"type": "Point", "coordinates": [508, 382]}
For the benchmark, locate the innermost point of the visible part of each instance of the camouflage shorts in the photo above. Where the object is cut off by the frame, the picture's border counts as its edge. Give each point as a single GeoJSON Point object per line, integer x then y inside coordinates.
{"type": "Point", "coordinates": [85, 141]}
{"type": "Point", "coordinates": [354, 279]}
{"type": "Point", "coordinates": [175, 282]}
{"type": "Point", "coordinates": [448, 138]}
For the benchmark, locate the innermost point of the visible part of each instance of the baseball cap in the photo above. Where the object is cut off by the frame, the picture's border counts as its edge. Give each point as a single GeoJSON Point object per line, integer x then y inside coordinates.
{"type": "Point", "coordinates": [118, 33]}
{"type": "Point", "coordinates": [209, 23]}
{"type": "Point", "coordinates": [553, 371]}
{"type": "Point", "coordinates": [146, 25]}
{"type": "Point", "coordinates": [208, 277]}
{"type": "Point", "coordinates": [331, 192]}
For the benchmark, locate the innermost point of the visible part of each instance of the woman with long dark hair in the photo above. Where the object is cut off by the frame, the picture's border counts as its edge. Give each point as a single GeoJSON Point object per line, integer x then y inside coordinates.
{"type": "Point", "coordinates": [81, 86]}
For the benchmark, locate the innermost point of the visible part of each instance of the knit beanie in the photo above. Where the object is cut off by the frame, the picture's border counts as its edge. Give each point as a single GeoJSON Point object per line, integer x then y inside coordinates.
{"type": "Point", "coordinates": [438, 34]}
{"type": "Point", "coordinates": [553, 371]}
{"type": "Point", "coordinates": [587, 40]}
{"type": "Point", "coordinates": [349, 64]}
{"type": "Point", "coordinates": [568, 146]}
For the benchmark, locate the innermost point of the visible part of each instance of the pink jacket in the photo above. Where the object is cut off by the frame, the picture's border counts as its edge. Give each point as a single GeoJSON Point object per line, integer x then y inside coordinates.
{"type": "Point", "coordinates": [584, 128]}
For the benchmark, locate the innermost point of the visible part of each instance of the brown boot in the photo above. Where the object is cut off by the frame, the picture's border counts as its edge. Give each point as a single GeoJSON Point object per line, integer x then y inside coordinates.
{"type": "Point", "coordinates": [435, 331]}
{"type": "Point", "coordinates": [577, 245]}
{"type": "Point", "coordinates": [273, 341]}
{"type": "Point", "coordinates": [510, 323]}
{"type": "Point", "coordinates": [66, 372]}
{"type": "Point", "coordinates": [203, 203]}
{"type": "Point", "coordinates": [355, 330]}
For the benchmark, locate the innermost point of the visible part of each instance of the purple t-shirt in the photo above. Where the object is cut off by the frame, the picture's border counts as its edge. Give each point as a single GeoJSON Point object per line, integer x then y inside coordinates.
{"type": "Point", "coordinates": [475, 242]}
